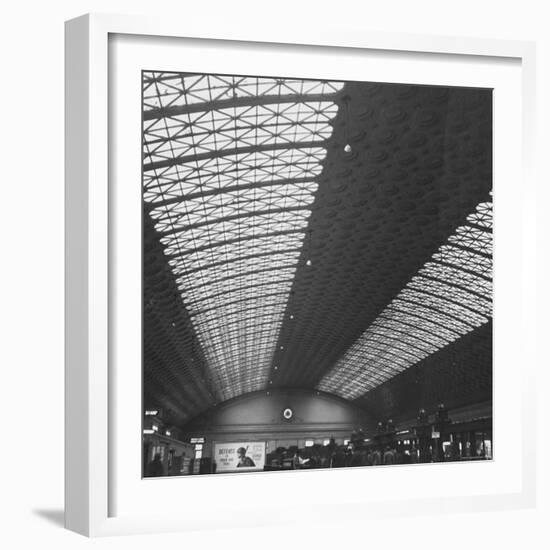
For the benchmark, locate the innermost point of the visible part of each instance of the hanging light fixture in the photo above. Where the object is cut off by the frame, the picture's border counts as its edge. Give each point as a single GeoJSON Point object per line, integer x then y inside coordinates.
{"type": "Point", "coordinates": [308, 261]}
{"type": "Point", "coordinates": [347, 146]}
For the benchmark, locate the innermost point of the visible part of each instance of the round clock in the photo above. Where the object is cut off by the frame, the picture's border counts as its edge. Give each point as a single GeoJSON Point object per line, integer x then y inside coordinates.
{"type": "Point", "coordinates": [288, 413]}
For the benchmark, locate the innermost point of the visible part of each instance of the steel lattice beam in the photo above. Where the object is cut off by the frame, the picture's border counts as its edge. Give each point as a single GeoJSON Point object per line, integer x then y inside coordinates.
{"type": "Point", "coordinates": [236, 102]}
{"type": "Point", "coordinates": [232, 218]}
{"type": "Point", "coordinates": [228, 189]}
{"type": "Point", "coordinates": [217, 244]}
{"type": "Point", "coordinates": [160, 164]}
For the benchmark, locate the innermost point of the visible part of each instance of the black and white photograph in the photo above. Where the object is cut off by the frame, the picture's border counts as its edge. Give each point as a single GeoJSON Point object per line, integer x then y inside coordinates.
{"type": "Point", "coordinates": [317, 281]}
{"type": "Point", "coordinates": [275, 274]}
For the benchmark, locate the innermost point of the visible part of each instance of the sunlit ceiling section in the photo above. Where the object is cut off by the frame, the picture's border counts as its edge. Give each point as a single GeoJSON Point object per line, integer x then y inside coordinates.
{"type": "Point", "coordinates": [230, 168]}
{"type": "Point", "coordinates": [450, 296]}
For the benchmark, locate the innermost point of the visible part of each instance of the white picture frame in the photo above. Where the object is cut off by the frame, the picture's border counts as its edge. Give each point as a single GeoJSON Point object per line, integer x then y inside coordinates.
{"type": "Point", "coordinates": [91, 211]}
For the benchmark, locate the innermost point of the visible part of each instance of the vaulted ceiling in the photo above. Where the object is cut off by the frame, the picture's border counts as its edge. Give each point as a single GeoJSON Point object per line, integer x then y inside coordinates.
{"type": "Point", "coordinates": [311, 234]}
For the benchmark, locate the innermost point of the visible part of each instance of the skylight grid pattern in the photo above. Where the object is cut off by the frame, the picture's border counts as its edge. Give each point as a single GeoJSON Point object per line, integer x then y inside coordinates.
{"type": "Point", "coordinates": [219, 232]}
{"type": "Point", "coordinates": [173, 89]}
{"type": "Point", "coordinates": [449, 297]}
{"type": "Point", "coordinates": [210, 131]}
{"type": "Point", "coordinates": [230, 168]}
{"type": "Point", "coordinates": [232, 172]}
{"type": "Point", "coordinates": [221, 206]}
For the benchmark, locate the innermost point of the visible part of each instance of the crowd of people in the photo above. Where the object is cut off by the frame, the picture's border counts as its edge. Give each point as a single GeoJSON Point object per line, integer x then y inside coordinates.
{"type": "Point", "coordinates": [339, 456]}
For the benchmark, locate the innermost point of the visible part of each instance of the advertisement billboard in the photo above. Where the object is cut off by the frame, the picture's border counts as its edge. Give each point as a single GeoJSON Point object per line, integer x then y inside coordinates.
{"type": "Point", "coordinates": [239, 456]}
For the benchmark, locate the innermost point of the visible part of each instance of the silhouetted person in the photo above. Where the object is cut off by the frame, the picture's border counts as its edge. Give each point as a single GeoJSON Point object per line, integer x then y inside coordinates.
{"type": "Point", "coordinates": [349, 452]}
{"type": "Point", "coordinates": [389, 456]}
{"type": "Point", "coordinates": [155, 467]}
{"type": "Point", "coordinates": [357, 458]}
{"type": "Point", "coordinates": [300, 462]}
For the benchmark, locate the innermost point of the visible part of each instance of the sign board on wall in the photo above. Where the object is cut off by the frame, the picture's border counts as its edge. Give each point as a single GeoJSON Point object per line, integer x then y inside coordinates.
{"type": "Point", "coordinates": [239, 456]}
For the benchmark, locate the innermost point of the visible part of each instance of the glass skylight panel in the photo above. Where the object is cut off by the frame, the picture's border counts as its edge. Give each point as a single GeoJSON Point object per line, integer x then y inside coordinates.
{"type": "Point", "coordinates": [473, 237]}
{"type": "Point", "coordinates": [420, 335]}
{"type": "Point", "coordinates": [450, 296]}
{"type": "Point", "coordinates": [462, 279]}
{"type": "Point", "coordinates": [176, 184]}
{"type": "Point", "coordinates": [210, 131]}
{"type": "Point", "coordinates": [407, 343]}
{"type": "Point", "coordinates": [222, 231]}
{"type": "Point", "coordinates": [267, 164]}
{"type": "Point", "coordinates": [253, 279]}
{"type": "Point", "coordinates": [465, 259]}
{"type": "Point", "coordinates": [483, 216]}
{"type": "Point", "coordinates": [235, 292]}
{"type": "Point", "coordinates": [429, 320]}
{"type": "Point", "coordinates": [446, 307]}
{"type": "Point", "coordinates": [234, 268]}
{"type": "Point", "coordinates": [230, 204]}
{"type": "Point", "coordinates": [229, 174]}
{"type": "Point", "coordinates": [237, 250]}
{"type": "Point", "coordinates": [239, 302]}
{"type": "Point", "coordinates": [454, 293]}
{"type": "Point", "coordinates": [166, 90]}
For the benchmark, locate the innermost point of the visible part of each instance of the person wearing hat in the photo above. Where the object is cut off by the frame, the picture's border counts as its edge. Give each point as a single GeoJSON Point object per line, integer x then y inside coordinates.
{"type": "Point", "coordinates": [244, 461]}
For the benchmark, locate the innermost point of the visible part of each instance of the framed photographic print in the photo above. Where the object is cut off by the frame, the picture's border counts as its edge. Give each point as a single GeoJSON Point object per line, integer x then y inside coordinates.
{"type": "Point", "coordinates": [295, 265]}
